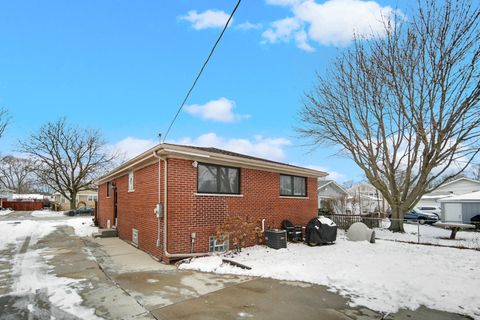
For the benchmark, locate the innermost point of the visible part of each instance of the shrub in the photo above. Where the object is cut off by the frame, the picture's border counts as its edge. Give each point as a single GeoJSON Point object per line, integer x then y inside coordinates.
{"type": "Point", "coordinates": [239, 231]}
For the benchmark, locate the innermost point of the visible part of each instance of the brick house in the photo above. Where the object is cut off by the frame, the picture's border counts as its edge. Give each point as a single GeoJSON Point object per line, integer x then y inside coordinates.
{"type": "Point", "coordinates": [202, 186]}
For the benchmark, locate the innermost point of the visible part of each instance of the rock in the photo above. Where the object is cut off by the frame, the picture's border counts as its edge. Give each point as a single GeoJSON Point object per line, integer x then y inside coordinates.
{"type": "Point", "coordinates": [360, 232]}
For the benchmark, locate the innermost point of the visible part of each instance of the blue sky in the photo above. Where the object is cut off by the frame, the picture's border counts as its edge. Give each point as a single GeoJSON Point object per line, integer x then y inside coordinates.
{"type": "Point", "coordinates": [124, 67]}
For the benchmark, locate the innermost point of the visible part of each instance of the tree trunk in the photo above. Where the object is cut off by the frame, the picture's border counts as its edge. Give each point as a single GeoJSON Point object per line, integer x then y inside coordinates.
{"type": "Point", "coordinates": [73, 201]}
{"type": "Point", "coordinates": [396, 221]}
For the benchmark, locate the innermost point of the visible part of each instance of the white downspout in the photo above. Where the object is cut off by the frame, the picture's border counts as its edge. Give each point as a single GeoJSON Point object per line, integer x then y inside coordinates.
{"type": "Point", "coordinates": [165, 213]}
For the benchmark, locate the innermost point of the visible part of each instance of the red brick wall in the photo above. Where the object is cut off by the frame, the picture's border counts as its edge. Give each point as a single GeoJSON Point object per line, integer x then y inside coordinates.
{"type": "Point", "coordinates": [189, 213]}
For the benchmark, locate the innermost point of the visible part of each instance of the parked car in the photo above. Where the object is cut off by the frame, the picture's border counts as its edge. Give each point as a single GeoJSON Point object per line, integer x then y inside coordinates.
{"type": "Point", "coordinates": [431, 209]}
{"type": "Point", "coordinates": [420, 216]}
{"type": "Point", "coordinates": [81, 211]}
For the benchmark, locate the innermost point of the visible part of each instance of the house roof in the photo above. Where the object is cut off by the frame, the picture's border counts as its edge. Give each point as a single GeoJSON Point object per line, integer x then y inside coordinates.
{"type": "Point", "coordinates": [210, 155]}
{"type": "Point", "coordinates": [324, 183]}
{"type": "Point", "coordinates": [460, 179]}
{"type": "Point", "coordinates": [467, 197]}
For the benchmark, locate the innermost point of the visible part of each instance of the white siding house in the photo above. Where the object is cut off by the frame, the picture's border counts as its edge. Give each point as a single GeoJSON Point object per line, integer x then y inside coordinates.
{"type": "Point", "coordinates": [455, 187]}
{"type": "Point", "coordinates": [460, 208]}
{"type": "Point", "coordinates": [332, 195]}
{"type": "Point", "coordinates": [365, 199]}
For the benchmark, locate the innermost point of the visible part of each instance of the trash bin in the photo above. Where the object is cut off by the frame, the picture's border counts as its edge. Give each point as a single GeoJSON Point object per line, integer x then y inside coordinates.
{"type": "Point", "coordinates": [276, 239]}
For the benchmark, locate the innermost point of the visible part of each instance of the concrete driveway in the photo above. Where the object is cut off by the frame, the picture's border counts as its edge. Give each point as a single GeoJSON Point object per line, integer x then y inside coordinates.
{"type": "Point", "coordinates": [117, 281]}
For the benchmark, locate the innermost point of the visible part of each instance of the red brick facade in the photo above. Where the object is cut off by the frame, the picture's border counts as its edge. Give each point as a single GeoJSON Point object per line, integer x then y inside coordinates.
{"type": "Point", "coordinates": [190, 212]}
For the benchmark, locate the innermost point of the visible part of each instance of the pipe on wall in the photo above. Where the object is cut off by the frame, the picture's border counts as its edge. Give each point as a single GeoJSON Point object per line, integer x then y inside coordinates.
{"type": "Point", "coordinates": [165, 213]}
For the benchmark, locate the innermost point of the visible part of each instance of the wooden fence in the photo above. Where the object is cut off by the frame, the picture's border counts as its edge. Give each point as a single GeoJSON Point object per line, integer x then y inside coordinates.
{"type": "Point", "coordinates": [344, 221]}
{"type": "Point", "coordinates": [23, 205]}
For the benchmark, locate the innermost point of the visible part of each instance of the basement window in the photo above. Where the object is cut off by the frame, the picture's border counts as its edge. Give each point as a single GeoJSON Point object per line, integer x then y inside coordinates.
{"type": "Point", "coordinates": [215, 245]}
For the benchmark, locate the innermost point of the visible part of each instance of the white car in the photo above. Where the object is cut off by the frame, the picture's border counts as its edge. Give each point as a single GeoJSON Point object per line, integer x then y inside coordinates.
{"type": "Point", "coordinates": [431, 209]}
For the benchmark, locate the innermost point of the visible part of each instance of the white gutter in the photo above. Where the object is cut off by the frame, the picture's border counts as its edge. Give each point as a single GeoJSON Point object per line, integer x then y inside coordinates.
{"type": "Point", "coordinates": [187, 153]}
{"type": "Point", "coordinates": [165, 213]}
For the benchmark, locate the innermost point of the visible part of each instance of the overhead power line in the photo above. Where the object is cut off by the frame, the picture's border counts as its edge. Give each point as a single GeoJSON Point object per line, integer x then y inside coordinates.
{"type": "Point", "coordinates": [201, 70]}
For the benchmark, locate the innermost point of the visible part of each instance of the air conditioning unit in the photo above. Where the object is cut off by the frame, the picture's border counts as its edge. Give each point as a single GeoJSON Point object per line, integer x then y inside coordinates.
{"type": "Point", "coordinates": [135, 237]}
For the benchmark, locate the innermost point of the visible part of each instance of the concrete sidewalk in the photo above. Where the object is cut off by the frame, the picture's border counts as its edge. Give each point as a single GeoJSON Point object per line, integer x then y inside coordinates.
{"type": "Point", "coordinates": [167, 293]}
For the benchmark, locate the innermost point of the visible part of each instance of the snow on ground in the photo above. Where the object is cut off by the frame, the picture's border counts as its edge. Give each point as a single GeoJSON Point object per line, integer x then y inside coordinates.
{"type": "Point", "coordinates": [14, 231]}
{"type": "Point", "coordinates": [432, 235]}
{"type": "Point", "coordinates": [83, 226]}
{"type": "Point", "coordinates": [5, 212]}
{"type": "Point", "coordinates": [31, 273]}
{"type": "Point", "coordinates": [31, 270]}
{"type": "Point", "coordinates": [47, 213]}
{"type": "Point", "coordinates": [385, 276]}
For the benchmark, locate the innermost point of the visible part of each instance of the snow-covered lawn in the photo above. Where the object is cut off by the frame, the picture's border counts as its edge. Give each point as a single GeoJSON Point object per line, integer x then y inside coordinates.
{"type": "Point", "coordinates": [385, 276]}
{"type": "Point", "coordinates": [5, 212]}
{"type": "Point", "coordinates": [47, 213]}
{"type": "Point", "coordinates": [432, 235]}
{"type": "Point", "coordinates": [31, 271]}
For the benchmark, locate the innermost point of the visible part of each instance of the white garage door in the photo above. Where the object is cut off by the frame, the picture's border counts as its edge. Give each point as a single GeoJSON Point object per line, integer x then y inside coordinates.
{"type": "Point", "coordinates": [453, 212]}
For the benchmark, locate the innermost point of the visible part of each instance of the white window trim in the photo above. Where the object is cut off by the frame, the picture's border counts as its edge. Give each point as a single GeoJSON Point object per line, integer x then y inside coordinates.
{"type": "Point", "coordinates": [292, 197]}
{"type": "Point", "coordinates": [218, 195]}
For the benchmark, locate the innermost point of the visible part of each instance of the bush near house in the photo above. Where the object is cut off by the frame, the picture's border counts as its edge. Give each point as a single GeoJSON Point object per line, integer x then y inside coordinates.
{"type": "Point", "coordinates": [239, 231]}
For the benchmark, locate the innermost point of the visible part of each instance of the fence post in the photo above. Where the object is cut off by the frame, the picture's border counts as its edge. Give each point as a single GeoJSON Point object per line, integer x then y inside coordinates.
{"type": "Point", "coordinates": [418, 232]}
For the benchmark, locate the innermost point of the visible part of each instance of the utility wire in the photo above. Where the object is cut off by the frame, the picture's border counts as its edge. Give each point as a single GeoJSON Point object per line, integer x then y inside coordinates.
{"type": "Point", "coordinates": [201, 70]}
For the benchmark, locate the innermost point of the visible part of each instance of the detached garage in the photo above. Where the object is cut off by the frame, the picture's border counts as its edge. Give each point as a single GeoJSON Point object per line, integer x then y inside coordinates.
{"type": "Point", "coordinates": [460, 208]}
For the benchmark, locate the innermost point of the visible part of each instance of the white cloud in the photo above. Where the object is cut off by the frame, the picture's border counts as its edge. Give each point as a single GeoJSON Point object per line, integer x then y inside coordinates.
{"type": "Point", "coordinates": [130, 147]}
{"type": "Point", "coordinates": [207, 19]}
{"type": "Point", "coordinates": [334, 22]}
{"type": "Point", "coordinates": [332, 175]}
{"type": "Point", "coordinates": [282, 30]}
{"type": "Point", "coordinates": [216, 110]}
{"type": "Point", "coordinates": [259, 146]}
{"type": "Point", "coordinates": [247, 25]}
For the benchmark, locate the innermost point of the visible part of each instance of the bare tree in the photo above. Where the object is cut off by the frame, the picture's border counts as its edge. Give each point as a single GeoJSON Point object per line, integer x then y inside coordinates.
{"type": "Point", "coordinates": [17, 174]}
{"type": "Point", "coordinates": [475, 172]}
{"type": "Point", "coordinates": [4, 120]}
{"type": "Point", "coordinates": [68, 159]}
{"type": "Point", "coordinates": [405, 106]}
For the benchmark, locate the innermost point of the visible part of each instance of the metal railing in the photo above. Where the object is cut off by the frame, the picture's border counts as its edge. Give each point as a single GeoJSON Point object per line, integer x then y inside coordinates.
{"type": "Point", "coordinates": [344, 221]}
{"type": "Point", "coordinates": [416, 231]}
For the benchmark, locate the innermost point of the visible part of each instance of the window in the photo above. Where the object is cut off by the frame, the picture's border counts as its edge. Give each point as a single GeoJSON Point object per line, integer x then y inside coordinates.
{"type": "Point", "coordinates": [293, 186]}
{"type": "Point", "coordinates": [109, 187]}
{"type": "Point", "coordinates": [218, 179]}
{"type": "Point", "coordinates": [92, 197]}
{"type": "Point", "coordinates": [130, 181]}
{"type": "Point", "coordinates": [215, 245]}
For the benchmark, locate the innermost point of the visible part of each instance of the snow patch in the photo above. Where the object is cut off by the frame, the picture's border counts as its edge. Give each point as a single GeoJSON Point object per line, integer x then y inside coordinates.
{"type": "Point", "coordinates": [32, 274]}
{"type": "Point", "coordinates": [5, 212]}
{"type": "Point", "coordinates": [386, 276]}
{"type": "Point", "coordinates": [431, 235]}
{"type": "Point", "coordinates": [47, 213]}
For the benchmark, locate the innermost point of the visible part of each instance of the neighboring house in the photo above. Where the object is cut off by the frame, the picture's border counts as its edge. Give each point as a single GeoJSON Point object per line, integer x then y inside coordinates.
{"type": "Point", "coordinates": [84, 198]}
{"type": "Point", "coordinates": [5, 195]}
{"type": "Point", "coordinates": [169, 200]}
{"type": "Point", "coordinates": [332, 196]}
{"type": "Point", "coordinates": [460, 208]}
{"type": "Point", "coordinates": [455, 187]}
{"type": "Point", "coordinates": [365, 199]}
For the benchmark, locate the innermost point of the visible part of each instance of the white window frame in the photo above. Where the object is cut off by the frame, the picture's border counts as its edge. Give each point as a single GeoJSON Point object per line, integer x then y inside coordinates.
{"type": "Point", "coordinates": [131, 181]}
